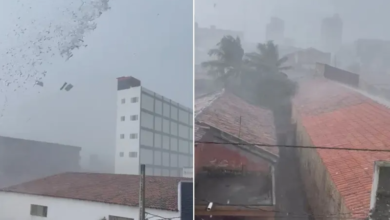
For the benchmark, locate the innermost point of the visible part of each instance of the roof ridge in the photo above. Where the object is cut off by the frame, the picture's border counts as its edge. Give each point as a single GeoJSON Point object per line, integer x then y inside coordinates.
{"type": "Point", "coordinates": [217, 95]}
{"type": "Point", "coordinates": [366, 94]}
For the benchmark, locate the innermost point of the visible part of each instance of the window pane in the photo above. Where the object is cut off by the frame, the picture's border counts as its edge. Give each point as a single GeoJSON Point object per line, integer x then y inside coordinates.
{"type": "Point", "coordinates": [191, 145]}
{"type": "Point", "coordinates": [183, 116]}
{"type": "Point", "coordinates": [146, 156]}
{"type": "Point", "coordinates": [191, 119]}
{"type": "Point", "coordinates": [157, 171]}
{"type": "Point", "coordinates": [166, 126]}
{"type": "Point", "coordinates": [174, 112]}
{"type": "Point", "coordinates": [183, 131]}
{"type": "Point", "coordinates": [173, 144]}
{"type": "Point", "coordinates": [165, 172]}
{"type": "Point", "coordinates": [173, 128]}
{"type": "Point", "coordinates": [157, 140]}
{"type": "Point", "coordinates": [166, 142]}
{"type": "Point", "coordinates": [183, 161]}
{"type": "Point", "coordinates": [157, 123]}
{"type": "Point", "coordinates": [147, 120]}
{"type": "Point", "coordinates": [166, 110]}
{"type": "Point", "coordinates": [165, 159]}
{"type": "Point", "coordinates": [157, 158]}
{"type": "Point", "coordinates": [146, 138]}
{"type": "Point", "coordinates": [183, 146]}
{"type": "Point", "coordinates": [174, 173]}
{"type": "Point", "coordinates": [158, 109]}
{"type": "Point", "coordinates": [174, 159]}
{"type": "Point", "coordinates": [148, 171]}
{"type": "Point", "coordinates": [191, 134]}
{"type": "Point", "coordinates": [147, 102]}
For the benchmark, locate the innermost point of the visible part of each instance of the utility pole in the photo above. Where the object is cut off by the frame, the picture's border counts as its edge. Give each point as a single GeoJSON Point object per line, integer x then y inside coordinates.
{"type": "Point", "coordinates": [142, 193]}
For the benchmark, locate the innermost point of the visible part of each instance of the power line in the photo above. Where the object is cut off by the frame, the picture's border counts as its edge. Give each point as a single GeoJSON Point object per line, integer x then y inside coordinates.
{"type": "Point", "coordinates": [296, 146]}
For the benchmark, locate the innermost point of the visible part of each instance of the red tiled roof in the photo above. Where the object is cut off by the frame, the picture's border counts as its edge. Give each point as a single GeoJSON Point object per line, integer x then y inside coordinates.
{"type": "Point", "coordinates": [161, 192]}
{"type": "Point", "coordinates": [337, 116]}
{"type": "Point", "coordinates": [224, 111]}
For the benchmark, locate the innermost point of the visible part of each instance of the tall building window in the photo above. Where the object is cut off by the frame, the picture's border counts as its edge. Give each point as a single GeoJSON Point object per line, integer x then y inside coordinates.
{"type": "Point", "coordinates": [123, 101]}
{"type": "Point", "coordinates": [122, 136]}
{"type": "Point", "coordinates": [134, 117]}
{"type": "Point", "coordinates": [134, 100]}
{"type": "Point", "coordinates": [122, 118]}
{"type": "Point", "coordinates": [121, 154]}
{"type": "Point", "coordinates": [133, 154]}
{"type": "Point", "coordinates": [134, 136]}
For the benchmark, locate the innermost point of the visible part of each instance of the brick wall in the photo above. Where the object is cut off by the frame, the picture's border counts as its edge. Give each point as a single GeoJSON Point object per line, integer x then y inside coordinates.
{"type": "Point", "coordinates": [321, 193]}
{"type": "Point", "coordinates": [205, 153]}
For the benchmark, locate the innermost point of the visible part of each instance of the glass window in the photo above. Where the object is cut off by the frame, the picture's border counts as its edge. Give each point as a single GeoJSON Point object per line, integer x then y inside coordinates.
{"type": "Point", "coordinates": [174, 112]}
{"type": "Point", "coordinates": [191, 162]}
{"type": "Point", "coordinates": [166, 126]}
{"type": "Point", "coordinates": [134, 100]}
{"type": "Point", "coordinates": [121, 154]}
{"type": "Point", "coordinates": [134, 136]}
{"type": "Point", "coordinates": [157, 158]}
{"type": "Point", "coordinates": [191, 145]}
{"type": "Point", "coordinates": [191, 134]}
{"type": "Point", "coordinates": [174, 159]}
{"type": "Point", "coordinates": [157, 140]}
{"type": "Point", "coordinates": [158, 107]}
{"type": "Point", "coordinates": [157, 123]}
{"type": "Point", "coordinates": [123, 101]}
{"type": "Point", "coordinates": [146, 138]}
{"type": "Point", "coordinates": [174, 173]}
{"type": "Point", "coordinates": [147, 120]}
{"type": "Point", "coordinates": [165, 159]}
{"type": "Point", "coordinates": [148, 171]}
{"type": "Point", "coordinates": [133, 117]}
{"type": "Point", "coordinates": [183, 116]}
{"type": "Point", "coordinates": [122, 136]}
{"type": "Point", "coordinates": [191, 119]}
{"type": "Point", "coordinates": [157, 171]}
{"type": "Point", "coordinates": [122, 118]}
{"type": "Point", "coordinates": [183, 161]}
{"type": "Point", "coordinates": [183, 146]}
{"type": "Point", "coordinates": [166, 109]}
{"type": "Point", "coordinates": [173, 128]}
{"type": "Point", "coordinates": [146, 156]}
{"type": "Point", "coordinates": [184, 131]}
{"type": "Point", "coordinates": [147, 102]}
{"type": "Point", "coordinates": [165, 172]}
{"type": "Point", "coordinates": [166, 142]}
{"type": "Point", "coordinates": [173, 144]}
{"type": "Point", "coordinates": [133, 154]}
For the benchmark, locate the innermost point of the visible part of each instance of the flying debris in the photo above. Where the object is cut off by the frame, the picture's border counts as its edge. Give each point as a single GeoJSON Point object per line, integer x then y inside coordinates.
{"type": "Point", "coordinates": [39, 83]}
{"type": "Point", "coordinates": [66, 86]}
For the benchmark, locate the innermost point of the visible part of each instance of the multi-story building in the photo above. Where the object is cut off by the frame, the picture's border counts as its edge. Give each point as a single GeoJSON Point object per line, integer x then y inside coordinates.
{"type": "Point", "coordinates": [275, 30]}
{"type": "Point", "coordinates": [331, 33]}
{"type": "Point", "coordinates": [151, 130]}
{"type": "Point", "coordinates": [25, 160]}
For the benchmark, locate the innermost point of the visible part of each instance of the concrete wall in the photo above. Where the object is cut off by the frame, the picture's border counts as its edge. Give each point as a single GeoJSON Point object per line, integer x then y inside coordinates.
{"type": "Point", "coordinates": [321, 193]}
{"type": "Point", "coordinates": [17, 207]}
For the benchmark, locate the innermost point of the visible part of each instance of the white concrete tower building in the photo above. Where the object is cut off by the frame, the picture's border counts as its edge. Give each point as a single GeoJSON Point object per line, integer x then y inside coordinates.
{"type": "Point", "coordinates": [151, 130]}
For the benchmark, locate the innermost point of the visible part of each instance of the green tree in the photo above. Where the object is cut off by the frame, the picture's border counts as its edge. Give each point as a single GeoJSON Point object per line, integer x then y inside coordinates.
{"type": "Point", "coordinates": [228, 60]}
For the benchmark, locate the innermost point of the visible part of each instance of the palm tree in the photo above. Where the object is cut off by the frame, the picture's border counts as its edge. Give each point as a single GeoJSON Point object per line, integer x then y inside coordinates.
{"type": "Point", "coordinates": [267, 60]}
{"type": "Point", "coordinates": [229, 59]}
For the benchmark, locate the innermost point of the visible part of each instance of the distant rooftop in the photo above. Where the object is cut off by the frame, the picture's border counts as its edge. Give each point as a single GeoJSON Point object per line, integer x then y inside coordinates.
{"type": "Point", "coordinates": [161, 192]}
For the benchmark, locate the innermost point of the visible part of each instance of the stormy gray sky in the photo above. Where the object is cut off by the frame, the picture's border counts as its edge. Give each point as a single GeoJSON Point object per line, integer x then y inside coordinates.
{"type": "Point", "coordinates": [362, 18]}
{"type": "Point", "coordinates": [150, 40]}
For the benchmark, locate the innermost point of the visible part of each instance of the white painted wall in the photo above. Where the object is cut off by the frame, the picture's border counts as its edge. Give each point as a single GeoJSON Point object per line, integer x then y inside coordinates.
{"type": "Point", "coordinates": [15, 206]}
{"type": "Point", "coordinates": [125, 164]}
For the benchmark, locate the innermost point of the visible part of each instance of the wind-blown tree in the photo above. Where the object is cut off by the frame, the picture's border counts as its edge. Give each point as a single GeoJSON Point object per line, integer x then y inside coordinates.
{"type": "Point", "coordinates": [228, 60]}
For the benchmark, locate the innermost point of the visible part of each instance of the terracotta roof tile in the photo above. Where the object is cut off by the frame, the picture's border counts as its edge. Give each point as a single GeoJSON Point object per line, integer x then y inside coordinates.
{"type": "Point", "coordinates": [336, 116]}
{"type": "Point", "coordinates": [224, 111]}
{"type": "Point", "coordinates": [161, 192]}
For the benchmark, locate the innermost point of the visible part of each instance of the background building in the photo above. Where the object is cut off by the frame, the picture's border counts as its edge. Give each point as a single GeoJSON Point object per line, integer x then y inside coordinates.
{"type": "Point", "coordinates": [151, 130]}
{"type": "Point", "coordinates": [24, 160]}
{"type": "Point", "coordinates": [331, 33]}
{"type": "Point", "coordinates": [275, 30]}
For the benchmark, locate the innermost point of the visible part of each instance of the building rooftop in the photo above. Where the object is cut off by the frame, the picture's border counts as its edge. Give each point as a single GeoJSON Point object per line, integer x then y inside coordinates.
{"type": "Point", "coordinates": [232, 115]}
{"type": "Point", "coordinates": [338, 116]}
{"type": "Point", "coordinates": [161, 192]}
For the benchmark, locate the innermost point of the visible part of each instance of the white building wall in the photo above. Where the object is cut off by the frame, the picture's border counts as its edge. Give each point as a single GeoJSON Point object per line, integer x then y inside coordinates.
{"type": "Point", "coordinates": [15, 206]}
{"type": "Point", "coordinates": [127, 164]}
